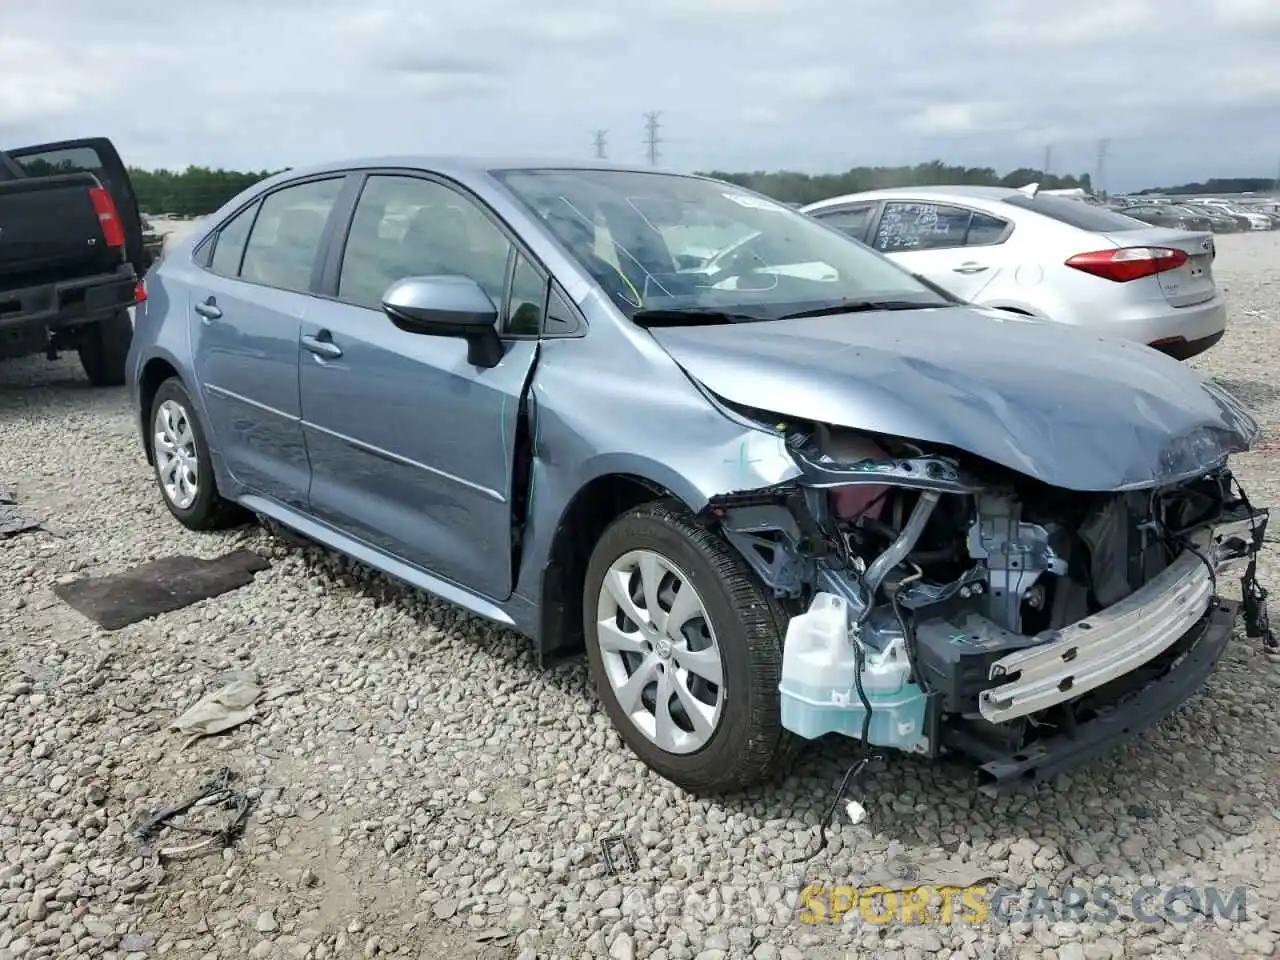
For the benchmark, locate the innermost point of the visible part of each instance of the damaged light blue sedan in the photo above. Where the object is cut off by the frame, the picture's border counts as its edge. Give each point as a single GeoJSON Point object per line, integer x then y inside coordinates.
{"type": "Point", "coordinates": [776, 486]}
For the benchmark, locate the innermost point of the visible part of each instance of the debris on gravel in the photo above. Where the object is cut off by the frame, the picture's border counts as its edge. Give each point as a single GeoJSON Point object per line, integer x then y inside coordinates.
{"type": "Point", "coordinates": [423, 790]}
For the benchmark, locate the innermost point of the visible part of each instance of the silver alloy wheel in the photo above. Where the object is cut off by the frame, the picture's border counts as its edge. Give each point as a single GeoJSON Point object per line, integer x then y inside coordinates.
{"type": "Point", "coordinates": [177, 463]}
{"type": "Point", "coordinates": [659, 651]}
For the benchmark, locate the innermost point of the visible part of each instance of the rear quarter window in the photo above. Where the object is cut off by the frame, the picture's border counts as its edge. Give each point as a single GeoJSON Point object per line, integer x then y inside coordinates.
{"type": "Point", "coordinates": [1073, 213]}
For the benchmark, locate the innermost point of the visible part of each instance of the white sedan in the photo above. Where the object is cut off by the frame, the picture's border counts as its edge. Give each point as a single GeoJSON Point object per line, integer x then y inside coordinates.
{"type": "Point", "coordinates": [1046, 256]}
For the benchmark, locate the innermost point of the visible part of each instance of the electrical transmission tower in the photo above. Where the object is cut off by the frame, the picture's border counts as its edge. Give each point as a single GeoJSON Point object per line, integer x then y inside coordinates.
{"type": "Point", "coordinates": [601, 153]}
{"type": "Point", "coordinates": [1100, 172]}
{"type": "Point", "coordinates": [652, 140]}
{"type": "Point", "coordinates": [1048, 159]}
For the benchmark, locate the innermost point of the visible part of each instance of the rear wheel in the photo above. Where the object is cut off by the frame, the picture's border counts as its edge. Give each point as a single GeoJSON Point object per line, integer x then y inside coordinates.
{"type": "Point", "coordinates": [685, 650]}
{"type": "Point", "coordinates": [182, 466]}
{"type": "Point", "coordinates": [104, 347]}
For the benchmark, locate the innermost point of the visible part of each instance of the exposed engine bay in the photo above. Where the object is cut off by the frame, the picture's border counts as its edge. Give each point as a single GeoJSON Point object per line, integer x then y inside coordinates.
{"type": "Point", "coordinates": [948, 605]}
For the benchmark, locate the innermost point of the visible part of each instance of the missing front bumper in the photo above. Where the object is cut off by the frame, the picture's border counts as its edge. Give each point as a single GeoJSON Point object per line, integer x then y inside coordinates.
{"type": "Point", "coordinates": [1139, 711]}
{"type": "Point", "coordinates": [1092, 652]}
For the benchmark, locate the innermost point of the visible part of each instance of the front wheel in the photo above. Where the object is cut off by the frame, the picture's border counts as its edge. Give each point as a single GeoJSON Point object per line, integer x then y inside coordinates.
{"type": "Point", "coordinates": [685, 650]}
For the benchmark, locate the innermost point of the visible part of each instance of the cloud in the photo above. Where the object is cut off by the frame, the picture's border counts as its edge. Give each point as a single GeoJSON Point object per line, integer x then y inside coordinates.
{"type": "Point", "coordinates": [952, 118]}
{"type": "Point", "coordinates": [741, 84]}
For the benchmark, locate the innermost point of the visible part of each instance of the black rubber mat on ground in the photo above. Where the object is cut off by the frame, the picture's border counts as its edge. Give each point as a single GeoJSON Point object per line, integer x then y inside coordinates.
{"type": "Point", "coordinates": [160, 586]}
{"type": "Point", "coordinates": [12, 520]}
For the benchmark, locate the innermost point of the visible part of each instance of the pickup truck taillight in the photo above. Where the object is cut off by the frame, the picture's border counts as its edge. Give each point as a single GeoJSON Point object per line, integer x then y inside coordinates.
{"type": "Point", "coordinates": [105, 208]}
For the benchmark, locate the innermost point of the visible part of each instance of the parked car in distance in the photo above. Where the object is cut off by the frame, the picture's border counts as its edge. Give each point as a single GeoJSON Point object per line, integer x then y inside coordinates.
{"type": "Point", "coordinates": [1047, 257]}
{"type": "Point", "coordinates": [1219, 220]}
{"type": "Point", "coordinates": [1254, 218]}
{"type": "Point", "coordinates": [764, 498]}
{"type": "Point", "coordinates": [71, 253]}
{"type": "Point", "coordinates": [1168, 215]}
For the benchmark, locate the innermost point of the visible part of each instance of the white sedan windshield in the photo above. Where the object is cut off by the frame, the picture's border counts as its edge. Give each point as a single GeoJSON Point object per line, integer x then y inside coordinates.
{"type": "Point", "coordinates": [665, 242]}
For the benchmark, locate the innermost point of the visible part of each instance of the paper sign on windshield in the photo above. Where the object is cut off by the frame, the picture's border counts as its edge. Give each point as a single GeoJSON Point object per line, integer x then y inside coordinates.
{"type": "Point", "coordinates": [750, 202]}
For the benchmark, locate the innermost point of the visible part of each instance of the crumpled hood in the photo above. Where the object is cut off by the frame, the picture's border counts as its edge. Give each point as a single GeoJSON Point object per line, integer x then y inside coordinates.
{"type": "Point", "coordinates": [1072, 409]}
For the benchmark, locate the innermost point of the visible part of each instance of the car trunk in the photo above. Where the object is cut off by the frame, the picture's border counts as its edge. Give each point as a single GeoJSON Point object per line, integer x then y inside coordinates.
{"type": "Point", "coordinates": [1190, 283]}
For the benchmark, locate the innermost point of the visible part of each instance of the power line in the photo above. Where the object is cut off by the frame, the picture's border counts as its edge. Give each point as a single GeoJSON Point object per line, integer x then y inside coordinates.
{"type": "Point", "coordinates": [1099, 173]}
{"type": "Point", "coordinates": [651, 128]}
{"type": "Point", "coordinates": [601, 152]}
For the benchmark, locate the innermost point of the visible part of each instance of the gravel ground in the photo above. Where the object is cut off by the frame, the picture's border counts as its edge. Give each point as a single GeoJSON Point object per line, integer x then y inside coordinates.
{"type": "Point", "coordinates": [426, 791]}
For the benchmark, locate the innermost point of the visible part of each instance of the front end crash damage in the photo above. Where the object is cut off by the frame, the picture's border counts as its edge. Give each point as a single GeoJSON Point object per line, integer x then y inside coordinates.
{"type": "Point", "coordinates": [946, 605]}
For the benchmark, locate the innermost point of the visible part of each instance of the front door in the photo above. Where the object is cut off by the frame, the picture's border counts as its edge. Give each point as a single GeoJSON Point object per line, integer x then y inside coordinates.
{"type": "Point", "coordinates": [247, 308]}
{"type": "Point", "coordinates": [412, 447]}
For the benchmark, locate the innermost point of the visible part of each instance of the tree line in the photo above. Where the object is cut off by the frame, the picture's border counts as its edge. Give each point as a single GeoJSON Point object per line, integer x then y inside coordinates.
{"type": "Point", "coordinates": [1219, 185]}
{"type": "Point", "coordinates": [192, 192]}
{"type": "Point", "coordinates": [200, 190]}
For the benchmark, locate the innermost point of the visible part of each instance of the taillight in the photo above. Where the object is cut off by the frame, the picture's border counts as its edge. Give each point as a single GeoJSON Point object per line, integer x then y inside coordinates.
{"type": "Point", "coordinates": [1128, 263]}
{"type": "Point", "coordinates": [140, 292]}
{"type": "Point", "coordinates": [105, 208]}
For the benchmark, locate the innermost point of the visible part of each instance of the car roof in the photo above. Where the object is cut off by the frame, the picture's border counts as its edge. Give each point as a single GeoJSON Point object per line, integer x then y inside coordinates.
{"type": "Point", "coordinates": [467, 166]}
{"type": "Point", "coordinates": [934, 191]}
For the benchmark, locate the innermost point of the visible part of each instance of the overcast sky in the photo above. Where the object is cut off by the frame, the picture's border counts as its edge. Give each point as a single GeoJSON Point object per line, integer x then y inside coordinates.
{"type": "Point", "coordinates": [1184, 90]}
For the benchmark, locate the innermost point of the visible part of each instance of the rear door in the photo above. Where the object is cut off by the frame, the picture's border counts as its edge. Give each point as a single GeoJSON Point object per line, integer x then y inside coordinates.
{"type": "Point", "coordinates": [251, 286]}
{"type": "Point", "coordinates": [960, 249]}
{"type": "Point", "coordinates": [96, 155]}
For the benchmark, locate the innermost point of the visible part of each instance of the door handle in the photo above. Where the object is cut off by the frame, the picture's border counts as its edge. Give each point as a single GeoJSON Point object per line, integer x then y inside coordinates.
{"type": "Point", "coordinates": [322, 345]}
{"type": "Point", "coordinates": [209, 309]}
{"type": "Point", "coordinates": [969, 268]}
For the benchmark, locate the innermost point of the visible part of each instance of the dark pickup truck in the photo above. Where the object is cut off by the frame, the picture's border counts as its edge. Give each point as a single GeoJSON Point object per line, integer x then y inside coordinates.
{"type": "Point", "coordinates": [71, 255]}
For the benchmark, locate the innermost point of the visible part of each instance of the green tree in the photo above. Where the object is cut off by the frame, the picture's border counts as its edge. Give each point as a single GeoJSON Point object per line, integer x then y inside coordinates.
{"type": "Point", "coordinates": [192, 192]}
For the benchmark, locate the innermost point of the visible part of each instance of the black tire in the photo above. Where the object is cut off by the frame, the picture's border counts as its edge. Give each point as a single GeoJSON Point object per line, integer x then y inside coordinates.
{"type": "Point", "coordinates": [105, 348]}
{"type": "Point", "coordinates": [208, 511]}
{"type": "Point", "coordinates": [749, 745]}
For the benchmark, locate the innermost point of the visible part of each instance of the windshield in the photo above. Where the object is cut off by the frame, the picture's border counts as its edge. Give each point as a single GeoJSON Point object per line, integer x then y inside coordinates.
{"type": "Point", "coordinates": [670, 243]}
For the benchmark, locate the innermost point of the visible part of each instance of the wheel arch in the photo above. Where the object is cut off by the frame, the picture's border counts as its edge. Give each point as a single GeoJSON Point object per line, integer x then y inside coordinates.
{"type": "Point", "coordinates": [155, 371]}
{"type": "Point", "coordinates": [586, 516]}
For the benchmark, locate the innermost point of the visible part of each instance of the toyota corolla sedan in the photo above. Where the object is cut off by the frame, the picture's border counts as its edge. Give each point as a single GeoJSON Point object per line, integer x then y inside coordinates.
{"type": "Point", "coordinates": [793, 493]}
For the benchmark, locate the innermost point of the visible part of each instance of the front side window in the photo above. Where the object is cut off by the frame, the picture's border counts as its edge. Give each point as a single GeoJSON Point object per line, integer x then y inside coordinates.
{"type": "Point", "coordinates": [528, 300]}
{"type": "Point", "coordinates": [670, 243]}
{"type": "Point", "coordinates": [285, 239]}
{"type": "Point", "coordinates": [411, 227]}
{"type": "Point", "coordinates": [851, 221]}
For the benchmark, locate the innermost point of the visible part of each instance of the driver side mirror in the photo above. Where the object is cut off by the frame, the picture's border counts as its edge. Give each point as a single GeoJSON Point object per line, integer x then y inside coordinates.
{"type": "Point", "coordinates": [447, 306]}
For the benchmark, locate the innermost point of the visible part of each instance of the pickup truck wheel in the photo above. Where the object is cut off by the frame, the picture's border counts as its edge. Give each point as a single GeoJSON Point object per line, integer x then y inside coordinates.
{"type": "Point", "coordinates": [685, 649]}
{"type": "Point", "coordinates": [105, 348]}
{"type": "Point", "coordinates": [182, 465]}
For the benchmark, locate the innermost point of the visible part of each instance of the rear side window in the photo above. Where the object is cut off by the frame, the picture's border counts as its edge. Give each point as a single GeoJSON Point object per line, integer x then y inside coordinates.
{"type": "Point", "coordinates": [1073, 213]}
{"type": "Point", "coordinates": [282, 247]}
{"type": "Point", "coordinates": [228, 248]}
{"type": "Point", "coordinates": [985, 230]}
{"type": "Point", "coordinates": [913, 225]}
